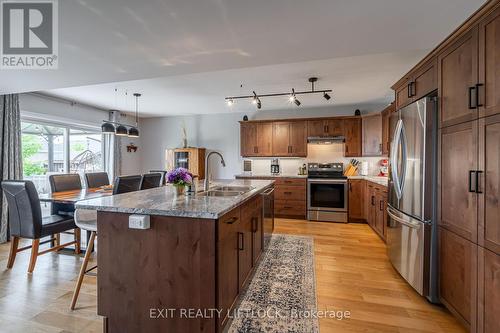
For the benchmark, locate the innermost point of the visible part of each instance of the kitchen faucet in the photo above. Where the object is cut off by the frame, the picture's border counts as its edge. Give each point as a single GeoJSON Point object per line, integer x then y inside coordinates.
{"type": "Point", "coordinates": [207, 170]}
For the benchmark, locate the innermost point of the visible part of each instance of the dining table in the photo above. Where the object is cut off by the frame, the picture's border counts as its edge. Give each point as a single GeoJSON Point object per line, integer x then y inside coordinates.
{"type": "Point", "coordinates": [69, 198]}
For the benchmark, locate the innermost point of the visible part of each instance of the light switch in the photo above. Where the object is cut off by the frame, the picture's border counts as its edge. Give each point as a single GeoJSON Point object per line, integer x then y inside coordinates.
{"type": "Point", "coordinates": [139, 222]}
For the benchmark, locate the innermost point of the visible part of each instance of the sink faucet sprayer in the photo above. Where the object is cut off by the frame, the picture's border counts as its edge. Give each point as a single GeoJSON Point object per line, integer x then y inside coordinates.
{"type": "Point", "coordinates": [207, 171]}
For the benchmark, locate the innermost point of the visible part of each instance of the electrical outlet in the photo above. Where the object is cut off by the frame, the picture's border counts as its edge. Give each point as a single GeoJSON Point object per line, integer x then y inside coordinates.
{"type": "Point", "coordinates": [136, 221]}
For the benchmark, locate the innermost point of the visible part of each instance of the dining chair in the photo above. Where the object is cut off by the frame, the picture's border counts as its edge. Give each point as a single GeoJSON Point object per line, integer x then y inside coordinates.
{"type": "Point", "coordinates": [163, 174]}
{"type": "Point", "coordinates": [26, 221]}
{"type": "Point", "coordinates": [61, 183]}
{"type": "Point", "coordinates": [151, 180]}
{"type": "Point", "coordinates": [96, 179]}
{"type": "Point", "coordinates": [125, 184]}
{"type": "Point", "coordinates": [86, 220]}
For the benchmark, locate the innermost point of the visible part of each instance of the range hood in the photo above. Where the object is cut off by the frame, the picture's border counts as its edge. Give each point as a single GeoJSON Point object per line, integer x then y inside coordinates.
{"type": "Point", "coordinates": [325, 140]}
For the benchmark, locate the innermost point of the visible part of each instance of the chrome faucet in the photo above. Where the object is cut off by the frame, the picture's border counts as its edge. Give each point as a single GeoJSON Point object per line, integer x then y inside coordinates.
{"type": "Point", "coordinates": [207, 171]}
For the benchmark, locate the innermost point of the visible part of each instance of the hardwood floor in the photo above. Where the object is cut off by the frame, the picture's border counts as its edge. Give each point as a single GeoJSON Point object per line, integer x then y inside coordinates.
{"type": "Point", "coordinates": [352, 274]}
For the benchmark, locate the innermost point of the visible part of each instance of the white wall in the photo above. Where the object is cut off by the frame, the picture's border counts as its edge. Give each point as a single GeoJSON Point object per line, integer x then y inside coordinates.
{"type": "Point", "coordinates": [37, 107]}
{"type": "Point", "coordinates": [221, 132]}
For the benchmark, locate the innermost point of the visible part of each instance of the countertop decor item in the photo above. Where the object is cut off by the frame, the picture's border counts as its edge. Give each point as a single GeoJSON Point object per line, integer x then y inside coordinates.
{"type": "Point", "coordinates": [180, 178]}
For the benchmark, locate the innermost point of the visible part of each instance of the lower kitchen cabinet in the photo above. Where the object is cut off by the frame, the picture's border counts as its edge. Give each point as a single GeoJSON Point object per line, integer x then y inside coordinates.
{"type": "Point", "coordinates": [488, 292]}
{"type": "Point", "coordinates": [356, 200]}
{"type": "Point", "coordinates": [458, 276]}
{"type": "Point", "coordinates": [380, 223]}
{"type": "Point", "coordinates": [245, 253]}
{"type": "Point", "coordinates": [290, 197]}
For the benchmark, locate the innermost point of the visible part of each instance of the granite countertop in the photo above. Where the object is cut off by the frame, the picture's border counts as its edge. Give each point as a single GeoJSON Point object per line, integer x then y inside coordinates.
{"type": "Point", "coordinates": [163, 201]}
{"type": "Point", "coordinates": [268, 175]}
{"type": "Point", "coordinates": [384, 181]}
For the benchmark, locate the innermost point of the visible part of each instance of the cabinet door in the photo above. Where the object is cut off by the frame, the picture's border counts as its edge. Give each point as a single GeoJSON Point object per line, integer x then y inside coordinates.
{"type": "Point", "coordinates": [372, 135]}
{"type": "Point", "coordinates": [489, 292]}
{"type": "Point", "coordinates": [298, 139]}
{"type": "Point", "coordinates": [352, 133]}
{"type": "Point", "coordinates": [227, 266]}
{"type": "Point", "coordinates": [356, 199]}
{"type": "Point", "coordinates": [248, 137]}
{"type": "Point", "coordinates": [316, 128]}
{"type": "Point", "coordinates": [281, 139]}
{"type": "Point", "coordinates": [457, 79]}
{"type": "Point", "coordinates": [371, 205]}
{"type": "Point", "coordinates": [334, 127]}
{"type": "Point", "coordinates": [264, 139]}
{"type": "Point", "coordinates": [458, 200]}
{"type": "Point", "coordinates": [489, 181]}
{"type": "Point", "coordinates": [425, 80]}
{"type": "Point", "coordinates": [489, 64]}
{"type": "Point", "coordinates": [458, 276]}
{"type": "Point", "coordinates": [402, 96]}
{"type": "Point", "coordinates": [245, 253]}
{"type": "Point", "coordinates": [386, 115]}
{"type": "Point", "coordinates": [257, 233]}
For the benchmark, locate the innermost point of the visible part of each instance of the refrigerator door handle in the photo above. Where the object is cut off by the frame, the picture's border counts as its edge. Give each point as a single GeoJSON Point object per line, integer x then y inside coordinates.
{"type": "Point", "coordinates": [394, 158]}
{"type": "Point", "coordinates": [404, 159]}
{"type": "Point", "coordinates": [402, 221]}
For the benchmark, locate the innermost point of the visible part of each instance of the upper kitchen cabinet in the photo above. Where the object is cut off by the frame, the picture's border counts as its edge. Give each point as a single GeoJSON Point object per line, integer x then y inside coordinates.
{"type": "Point", "coordinates": [489, 65]}
{"type": "Point", "coordinates": [352, 133]}
{"type": "Point", "coordinates": [325, 127]}
{"type": "Point", "coordinates": [417, 84]}
{"type": "Point", "coordinates": [458, 80]}
{"type": "Point", "coordinates": [372, 135]}
{"type": "Point", "coordinates": [386, 140]}
{"type": "Point", "coordinates": [256, 139]}
{"type": "Point", "coordinates": [289, 139]}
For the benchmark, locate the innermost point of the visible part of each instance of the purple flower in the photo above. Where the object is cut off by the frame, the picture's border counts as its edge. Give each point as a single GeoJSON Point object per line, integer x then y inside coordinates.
{"type": "Point", "coordinates": [179, 177]}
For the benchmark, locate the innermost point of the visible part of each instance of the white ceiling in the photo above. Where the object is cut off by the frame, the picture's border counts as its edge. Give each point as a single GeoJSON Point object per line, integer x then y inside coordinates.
{"type": "Point", "coordinates": [202, 50]}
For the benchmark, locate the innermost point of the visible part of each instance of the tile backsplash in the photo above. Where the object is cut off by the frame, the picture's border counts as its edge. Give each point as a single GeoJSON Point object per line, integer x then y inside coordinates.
{"type": "Point", "coordinates": [316, 153]}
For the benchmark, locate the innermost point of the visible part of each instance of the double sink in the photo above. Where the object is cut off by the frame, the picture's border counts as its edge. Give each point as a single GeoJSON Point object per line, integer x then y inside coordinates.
{"type": "Point", "coordinates": [226, 191]}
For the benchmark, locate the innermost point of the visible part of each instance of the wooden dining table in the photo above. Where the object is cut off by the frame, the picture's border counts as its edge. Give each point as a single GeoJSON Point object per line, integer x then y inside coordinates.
{"type": "Point", "coordinates": [73, 196]}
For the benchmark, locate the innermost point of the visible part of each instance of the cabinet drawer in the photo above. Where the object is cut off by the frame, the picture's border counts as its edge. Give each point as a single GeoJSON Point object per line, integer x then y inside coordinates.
{"type": "Point", "coordinates": [290, 207]}
{"type": "Point", "coordinates": [287, 192]}
{"type": "Point", "coordinates": [228, 223]}
{"type": "Point", "coordinates": [291, 181]}
{"type": "Point", "coordinates": [250, 206]}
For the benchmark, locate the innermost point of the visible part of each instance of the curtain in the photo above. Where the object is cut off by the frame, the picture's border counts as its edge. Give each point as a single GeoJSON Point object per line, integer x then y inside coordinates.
{"type": "Point", "coordinates": [112, 156]}
{"type": "Point", "coordinates": [10, 151]}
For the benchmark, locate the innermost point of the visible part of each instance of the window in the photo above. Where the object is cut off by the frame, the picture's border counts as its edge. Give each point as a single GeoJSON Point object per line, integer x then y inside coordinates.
{"type": "Point", "coordinates": [50, 149]}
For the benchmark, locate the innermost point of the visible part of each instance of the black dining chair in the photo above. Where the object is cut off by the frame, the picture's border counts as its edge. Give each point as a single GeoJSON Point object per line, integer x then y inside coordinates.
{"type": "Point", "coordinates": [125, 184]}
{"type": "Point", "coordinates": [61, 183]}
{"type": "Point", "coordinates": [26, 221]}
{"type": "Point", "coordinates": [151, 180]}
{"type": "Point", "coordinates": [163, 174]}
{"type": "Point", "coordinates": [96, 179]}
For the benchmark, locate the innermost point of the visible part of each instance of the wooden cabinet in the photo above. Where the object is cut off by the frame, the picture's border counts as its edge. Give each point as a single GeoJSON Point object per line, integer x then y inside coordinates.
{"type": "Point", "coordinates": [356, 197]}
{"type": "Point", "coordinates": [352, 133]}
{"type": "Point", "coordinates": [325, 127]}
{"type": "Point", "coordinates": [192, 159]}
{"type": "Point", "coordinates": [228, 270]}
{"type": "Point", "coordinates": [257, 231]}
{"type": "Point", "coordinates": [372, 135]}
{"type": "Point", "coordinates": [380, 218]}
{"type": "Point", "coordinates": [256, 139]}
{"type": "Point", "coordinates": [489, 183]}
{"type": "Point", "coordinates": [488, 291]}
{"type": "Point", "coordinates": [417, 84]}
{"type": "Point", "coordinates": [289, 139]}
{"type": "Point", "coordinates": [245, 253]}
{"type": "Point", "coordinates": [290, 197]}
{"type": "Point", "coordinates": [458, 276]}
{"type": "Point", "coordinates": [386, 137]}
{"type": "Point", "coordinates": [458, 77]}
{"type": "Point", "coordinates": [458, 161]}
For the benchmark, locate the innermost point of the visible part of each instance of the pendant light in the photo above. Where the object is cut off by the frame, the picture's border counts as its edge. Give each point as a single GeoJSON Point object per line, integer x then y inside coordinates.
{"type": "Point", "coordinates": [121, 130]}
{"type": "Point", "coordinates": [133, 132]}
{"type": "Point", "coordinates": [108, 128]}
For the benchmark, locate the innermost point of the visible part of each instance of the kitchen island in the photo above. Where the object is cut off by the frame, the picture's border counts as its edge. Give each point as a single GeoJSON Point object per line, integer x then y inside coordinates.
{"type": "Point", "coordinates": [184, 271]}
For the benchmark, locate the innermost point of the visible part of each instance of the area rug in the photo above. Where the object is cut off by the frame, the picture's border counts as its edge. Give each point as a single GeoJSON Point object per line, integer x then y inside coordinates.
{"type": "Point", "coordinates": [282, 294]}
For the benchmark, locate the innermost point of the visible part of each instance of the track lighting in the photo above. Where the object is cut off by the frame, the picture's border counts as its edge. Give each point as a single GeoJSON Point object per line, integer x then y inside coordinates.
{"type": "Point", "coordinates": [256, 100]}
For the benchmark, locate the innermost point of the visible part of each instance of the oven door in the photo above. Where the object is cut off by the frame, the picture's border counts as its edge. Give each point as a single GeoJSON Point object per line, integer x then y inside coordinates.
{"type": "Point", "coordinates": [327, 195]}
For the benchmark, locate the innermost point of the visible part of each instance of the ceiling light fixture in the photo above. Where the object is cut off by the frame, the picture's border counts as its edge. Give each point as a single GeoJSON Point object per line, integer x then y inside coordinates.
{"type": "Point", "coordinates": [108, 128]}
{"type": "Point", "coordinates": [230, 100]}
{"type": "Point", "coordinates": [121, 130]}
{"type": "Point", "coordinates": [133, 132]}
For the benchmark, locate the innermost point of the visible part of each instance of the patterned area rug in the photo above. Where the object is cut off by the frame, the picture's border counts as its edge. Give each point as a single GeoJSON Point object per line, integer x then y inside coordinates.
{"type": "Point", "coordinates": [282, 294]}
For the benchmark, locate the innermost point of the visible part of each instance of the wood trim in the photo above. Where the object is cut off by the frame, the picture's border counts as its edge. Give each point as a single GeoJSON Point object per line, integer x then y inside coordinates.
{"type": "Point", "coordinates": [287, 120]}
{"type": "Point", "coordinates": [474, 19]}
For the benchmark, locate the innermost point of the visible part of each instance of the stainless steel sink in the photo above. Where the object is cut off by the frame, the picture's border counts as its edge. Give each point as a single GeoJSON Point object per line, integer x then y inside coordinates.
{"type": "Point", "coordinates": [216, 193]}
{"type": "Point", "coordinates": [236, 188]}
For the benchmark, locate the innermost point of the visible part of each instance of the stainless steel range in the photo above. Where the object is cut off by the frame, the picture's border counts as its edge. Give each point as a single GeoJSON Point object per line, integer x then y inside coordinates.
{"type": "Point", "coordinates": [326, 192]}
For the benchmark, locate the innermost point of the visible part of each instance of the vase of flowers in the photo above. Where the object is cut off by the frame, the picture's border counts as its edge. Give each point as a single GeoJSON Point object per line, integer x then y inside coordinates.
{"type": "Point", "coordinates": [180, 178]}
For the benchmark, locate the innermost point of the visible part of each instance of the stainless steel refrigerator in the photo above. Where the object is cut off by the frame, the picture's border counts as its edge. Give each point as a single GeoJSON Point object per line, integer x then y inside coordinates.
{"type": "Point", "coordinates": [411, 226]}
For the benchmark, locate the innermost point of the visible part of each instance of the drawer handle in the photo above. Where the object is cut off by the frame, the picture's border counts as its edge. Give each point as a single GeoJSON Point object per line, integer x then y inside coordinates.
{"type": "Point", "coordinates": [288, 207]}
{"type": "Point", "coordinates": [241, 241]}
{"type": "Point", "coordinates": [471, 106]}
{"type": "Point", "coordinates": [232, 220]}
{"type": "Point", "coordinates": [479, 85]}
{"type": "Point", "coordinates": [288, 193]}
{"type": "Point", "coordinates": [254, 224]}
